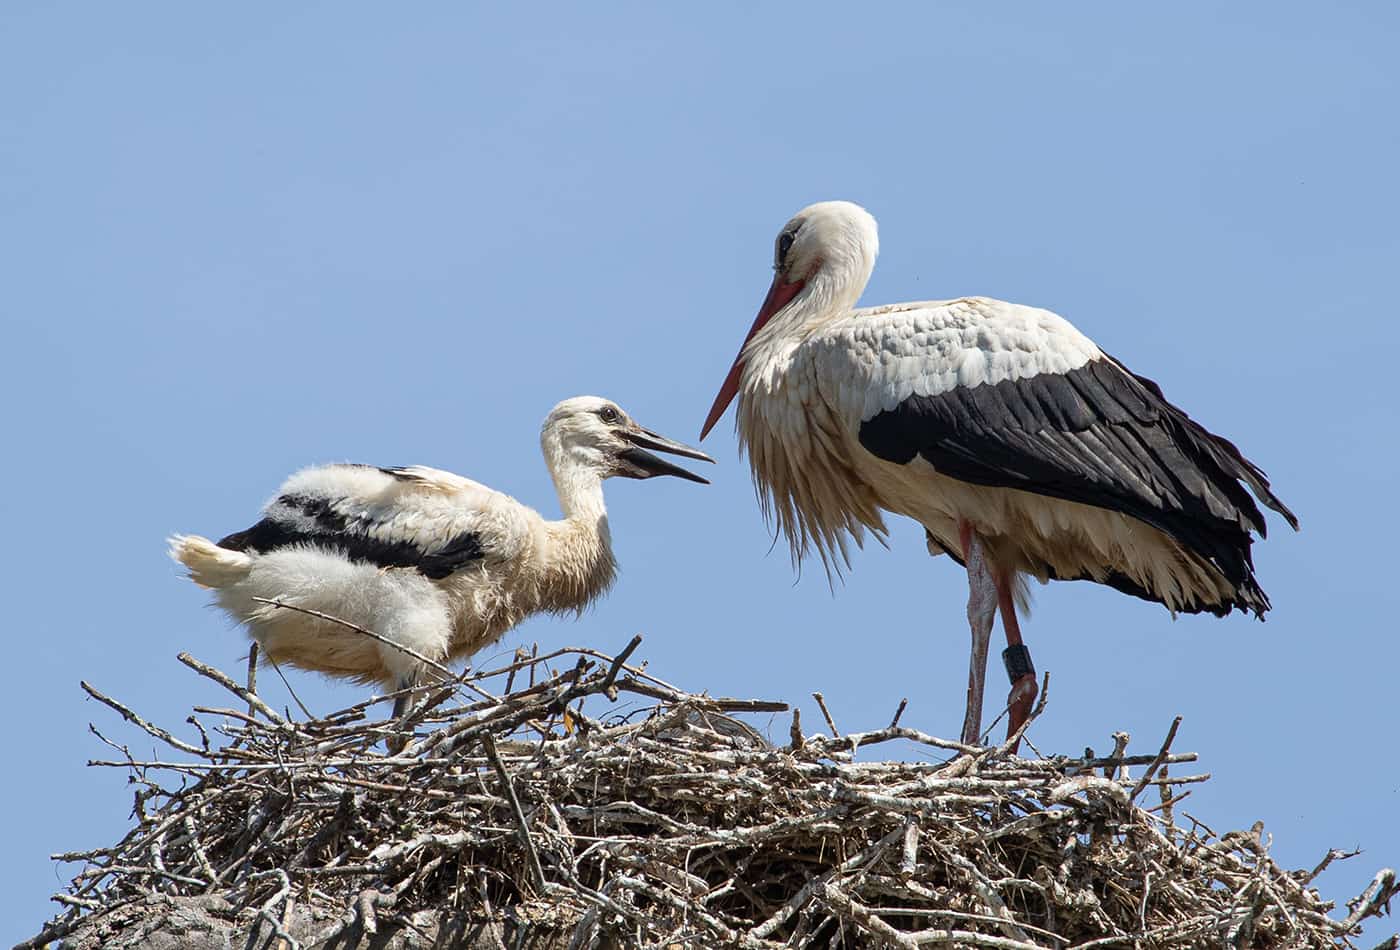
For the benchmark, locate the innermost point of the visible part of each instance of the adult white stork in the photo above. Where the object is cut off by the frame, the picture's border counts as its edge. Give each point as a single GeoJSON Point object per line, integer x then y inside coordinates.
{"type": "Point", "coordinates": [1019, 445]}
{"type": "Point", "coordinates": [427, 559]}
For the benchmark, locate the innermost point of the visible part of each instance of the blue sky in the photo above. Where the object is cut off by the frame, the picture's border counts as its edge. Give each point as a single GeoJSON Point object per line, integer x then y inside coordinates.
{"type": "Point", "coordinates": [239, 241]}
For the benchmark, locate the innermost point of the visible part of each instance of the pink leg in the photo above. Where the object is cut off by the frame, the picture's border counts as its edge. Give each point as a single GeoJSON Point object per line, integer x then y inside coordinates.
{"type": "Point", "coordinates": [1023, 688]}
{"type": "Point", "coordinates": [981, 613]}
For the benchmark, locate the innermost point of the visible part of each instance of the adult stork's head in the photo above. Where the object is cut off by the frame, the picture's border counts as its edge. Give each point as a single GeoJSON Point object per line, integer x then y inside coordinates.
{"type": "Point", "coordinates": [822, 260]}
{"type": "Point", "coordinates": [593, 435]}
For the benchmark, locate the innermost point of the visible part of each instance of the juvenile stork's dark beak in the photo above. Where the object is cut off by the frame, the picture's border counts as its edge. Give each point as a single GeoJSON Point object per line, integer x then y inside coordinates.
{"type": "Point", "coordinates": [639, 463]}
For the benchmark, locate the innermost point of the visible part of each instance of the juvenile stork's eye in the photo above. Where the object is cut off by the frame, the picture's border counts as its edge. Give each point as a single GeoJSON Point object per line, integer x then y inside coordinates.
{"type": "Point", "coordinates": [608, 414]}
{"type": "Point", "coordinates": [784, 245]}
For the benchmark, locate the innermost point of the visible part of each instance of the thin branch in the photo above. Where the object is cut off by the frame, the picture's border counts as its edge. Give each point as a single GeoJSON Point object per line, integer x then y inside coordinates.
{"type": "Point", "coordinates": [1157, 762]}
{"type": "Point", "coordinates": [903, 702]}
{"type": "Point", "coordinates": [508, 787]}
{"type": "Point", "coordinates": [621, 659]}
{"type": "Point", "coordinates": [132, 717]}
{"type": "Point", "coordinates": [223, 680]}
{"type": "Point", "coordinates": [826, 713]}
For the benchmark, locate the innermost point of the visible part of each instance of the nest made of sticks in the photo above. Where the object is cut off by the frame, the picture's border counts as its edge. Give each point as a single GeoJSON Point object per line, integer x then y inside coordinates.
{"type": "Point", "coordinates": [649, 816]}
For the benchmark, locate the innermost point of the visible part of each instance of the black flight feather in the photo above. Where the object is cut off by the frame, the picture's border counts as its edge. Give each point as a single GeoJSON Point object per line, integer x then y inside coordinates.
{"type": "Point", "coordinates": [1102, 436]}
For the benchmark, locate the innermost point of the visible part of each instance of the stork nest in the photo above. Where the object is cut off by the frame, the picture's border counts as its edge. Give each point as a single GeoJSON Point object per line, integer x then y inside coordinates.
{"type": "Point", "coordinates": [514, 817]}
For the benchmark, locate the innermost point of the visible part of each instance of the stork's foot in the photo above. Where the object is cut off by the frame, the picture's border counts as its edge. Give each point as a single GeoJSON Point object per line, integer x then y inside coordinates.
{"type": "Point", "coordinates": [1019, 701]}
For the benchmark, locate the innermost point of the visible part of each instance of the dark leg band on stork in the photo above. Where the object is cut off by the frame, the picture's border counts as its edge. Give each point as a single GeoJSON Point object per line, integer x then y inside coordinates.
{"type": "Point", "coordinates": [1017, 658]}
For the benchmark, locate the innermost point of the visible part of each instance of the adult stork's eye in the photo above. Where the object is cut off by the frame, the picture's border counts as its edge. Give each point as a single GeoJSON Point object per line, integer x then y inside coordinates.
{"type": "Point", "coordinates": [784, 245]}
{"type": "Point", "coordinates": [608, 414]}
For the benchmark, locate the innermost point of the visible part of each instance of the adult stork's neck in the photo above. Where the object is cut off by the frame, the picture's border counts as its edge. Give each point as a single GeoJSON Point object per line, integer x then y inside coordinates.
{"type": "Point", "coordinates": [829, 293]}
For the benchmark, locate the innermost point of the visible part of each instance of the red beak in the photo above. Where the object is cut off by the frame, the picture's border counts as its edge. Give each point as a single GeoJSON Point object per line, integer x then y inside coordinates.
{"type": "Point", "coordinates": [779, 295]}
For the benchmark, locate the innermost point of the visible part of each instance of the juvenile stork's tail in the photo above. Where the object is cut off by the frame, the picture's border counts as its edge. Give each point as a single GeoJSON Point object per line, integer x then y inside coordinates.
{"type": "Point", "coordinates": [209, 564]}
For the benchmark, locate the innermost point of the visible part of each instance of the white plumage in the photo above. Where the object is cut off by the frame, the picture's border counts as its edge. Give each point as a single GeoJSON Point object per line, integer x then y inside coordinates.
{"type": "Point", "coordinates": [1020, 446]}
{"type": "Point", "coordinates": [430, 560]}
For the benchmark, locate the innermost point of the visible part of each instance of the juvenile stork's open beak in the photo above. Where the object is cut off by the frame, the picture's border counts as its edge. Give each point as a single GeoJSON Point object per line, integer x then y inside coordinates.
{"type": "Point", "coordinates": [639, 463]}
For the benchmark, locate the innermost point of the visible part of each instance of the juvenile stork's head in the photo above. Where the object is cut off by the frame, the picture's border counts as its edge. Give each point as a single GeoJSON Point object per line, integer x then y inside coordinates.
{"type": "Point", "coordinates": [593, 435]}
{"type": "Point", "coordinates": [822, 259]}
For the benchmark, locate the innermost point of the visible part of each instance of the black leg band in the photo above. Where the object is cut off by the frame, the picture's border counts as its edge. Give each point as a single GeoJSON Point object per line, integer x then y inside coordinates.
{"type": "Point", "coordinates": [1018, 662]}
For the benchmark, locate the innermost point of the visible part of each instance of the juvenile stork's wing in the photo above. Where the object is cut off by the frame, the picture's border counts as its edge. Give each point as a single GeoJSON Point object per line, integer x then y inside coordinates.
{"type": "Point", "coordinates": [417, 517]}
{"type": "Point", "coordinates": [1007, 396]}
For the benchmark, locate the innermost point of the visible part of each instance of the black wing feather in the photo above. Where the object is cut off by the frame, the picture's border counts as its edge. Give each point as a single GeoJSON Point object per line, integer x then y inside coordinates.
{"type": "Point", "coordinates": [1101, 436]}
{"type": "Point", "coordinates": [308, 520]}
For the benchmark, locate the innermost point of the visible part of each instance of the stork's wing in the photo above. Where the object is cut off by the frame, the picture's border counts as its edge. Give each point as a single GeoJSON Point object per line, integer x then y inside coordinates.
{"type": "Point", "coordinates": [1013, 397]}
{"type": "Point", "coordinates": [416, 517]}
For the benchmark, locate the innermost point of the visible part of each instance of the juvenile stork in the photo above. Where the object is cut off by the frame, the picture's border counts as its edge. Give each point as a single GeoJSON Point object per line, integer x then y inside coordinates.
{"type": "Point", "coordinates": [1019, 445]}
{"type": "Point", "coordinates": [427, 559]}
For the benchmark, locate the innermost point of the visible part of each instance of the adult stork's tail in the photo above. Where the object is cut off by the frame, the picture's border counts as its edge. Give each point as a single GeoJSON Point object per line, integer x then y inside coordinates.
{"type": "Point", "coordinates": [209, 564]}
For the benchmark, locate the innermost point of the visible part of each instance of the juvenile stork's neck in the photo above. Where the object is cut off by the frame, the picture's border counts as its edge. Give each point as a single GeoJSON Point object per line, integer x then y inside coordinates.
{"type": "Point", "coordinates": [578, 560]}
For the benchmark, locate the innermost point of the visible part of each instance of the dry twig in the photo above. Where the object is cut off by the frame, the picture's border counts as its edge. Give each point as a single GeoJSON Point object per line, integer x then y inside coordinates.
{"type": "Point", "coordinates": [668, 823]}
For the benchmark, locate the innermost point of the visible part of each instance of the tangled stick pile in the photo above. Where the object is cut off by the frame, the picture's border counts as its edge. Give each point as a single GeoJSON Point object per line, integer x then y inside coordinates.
{"type": "Point", "coordinates": [574, 800]}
